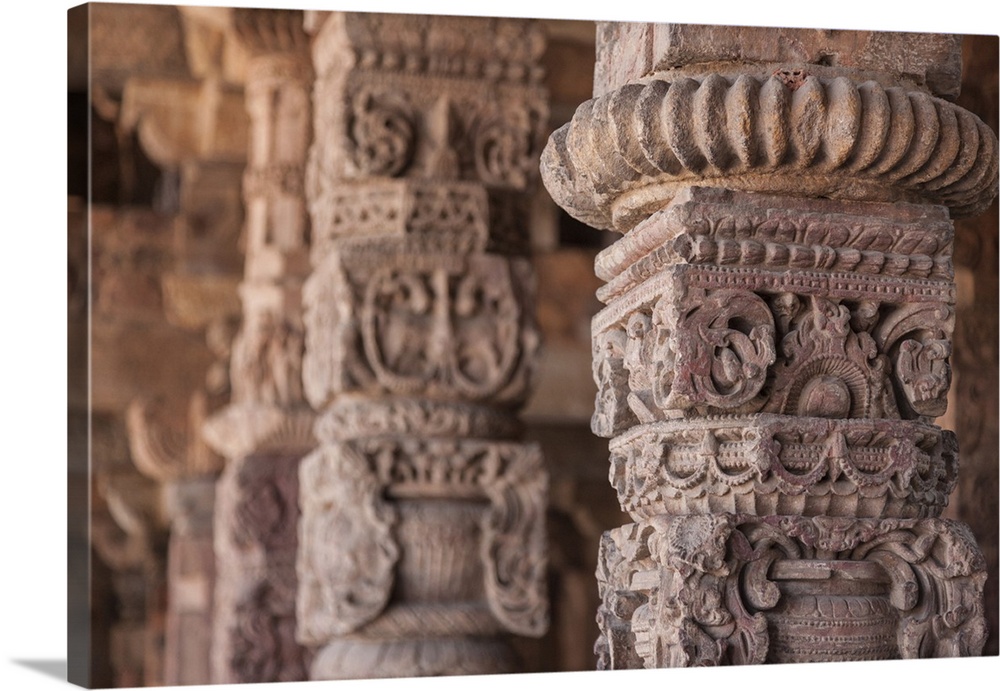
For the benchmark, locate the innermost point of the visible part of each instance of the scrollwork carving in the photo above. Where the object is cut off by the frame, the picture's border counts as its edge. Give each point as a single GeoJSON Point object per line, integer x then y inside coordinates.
{"type": "Point", "coordinates": [917, 338]}
{"type": "Point", "coordinates": [453, 328]}
{"type": "Point", "coordinates": [723, 348]}
{"type": "Point", "coordinates": [347, 552]}
{"type": "Point", "coordinates": [382, 133]}
{"type": "Point", "coordinates": [504, 149]}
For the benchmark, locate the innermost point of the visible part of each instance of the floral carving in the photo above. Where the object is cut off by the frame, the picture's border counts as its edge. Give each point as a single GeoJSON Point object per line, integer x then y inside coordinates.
{"type": "Point", "coordinates": [423, 519]}
{"type": "Point", "coordinates": [918, 339]}
{"type": "Point", "coordinates": [452, 327]}
{"type": "Point", "coordinates": [829, 370]}
{"type": "Point", "coordinates": [421, 326]}
{"type": "Point", "coordinates": [505, 146]}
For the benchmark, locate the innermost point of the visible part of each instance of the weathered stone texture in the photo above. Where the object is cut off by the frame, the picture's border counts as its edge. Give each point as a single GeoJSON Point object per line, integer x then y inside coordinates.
{"type": "Point", "coordinates": [775, 348]}
{"type": "Point", "coordinates": [627, 52]}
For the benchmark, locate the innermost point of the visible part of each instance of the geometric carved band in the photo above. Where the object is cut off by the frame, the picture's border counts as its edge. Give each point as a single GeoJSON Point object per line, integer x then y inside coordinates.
{"type": "Point", "coordinates": [738, 589]}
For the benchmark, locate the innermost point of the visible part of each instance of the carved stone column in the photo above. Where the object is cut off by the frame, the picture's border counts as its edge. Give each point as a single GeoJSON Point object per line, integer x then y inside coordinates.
{"type": "Point", "coordinates": [775, 344]}
{"type": "Point", "coordinates": [422, 535]}
{"type": "Point", "coordinates": [267, 428]}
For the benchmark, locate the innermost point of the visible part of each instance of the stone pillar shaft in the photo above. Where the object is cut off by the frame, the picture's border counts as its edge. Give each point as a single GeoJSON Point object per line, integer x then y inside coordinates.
{"type": "Point", "coordinates": [775, 344]}
{"type": "Point", "coordinates": [267, 428]}
{"type": "Point", "coordinates": [422, 538]}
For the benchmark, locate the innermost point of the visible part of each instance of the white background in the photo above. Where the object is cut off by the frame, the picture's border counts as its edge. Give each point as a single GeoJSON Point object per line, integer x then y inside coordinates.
{"type": "Point", "coordinates": [33, 334]}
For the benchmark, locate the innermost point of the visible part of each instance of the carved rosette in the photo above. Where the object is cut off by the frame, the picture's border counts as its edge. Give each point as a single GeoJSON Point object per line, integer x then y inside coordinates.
{"type": "Point", "coordinates": [775, 342]}
{"type": "Point", "coordinates": [422, 533]}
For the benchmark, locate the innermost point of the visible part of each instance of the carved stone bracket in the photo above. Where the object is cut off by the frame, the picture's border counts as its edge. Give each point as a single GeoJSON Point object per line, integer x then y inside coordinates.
{"type": "Point", "coordinates": [738, 589]}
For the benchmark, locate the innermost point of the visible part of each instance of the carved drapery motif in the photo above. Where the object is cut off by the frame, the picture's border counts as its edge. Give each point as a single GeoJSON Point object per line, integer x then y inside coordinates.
{"type": "Point", "coordinates": [772, 464]}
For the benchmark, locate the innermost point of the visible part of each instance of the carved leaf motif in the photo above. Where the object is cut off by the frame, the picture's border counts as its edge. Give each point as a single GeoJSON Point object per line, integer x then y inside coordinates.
{"type": "Point", "coordinates": [514, 543]}
{"type": "Point", "coordinates": [347, 553]}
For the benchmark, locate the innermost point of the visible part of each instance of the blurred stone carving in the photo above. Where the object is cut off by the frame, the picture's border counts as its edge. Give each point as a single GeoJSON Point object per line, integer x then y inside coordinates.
{"type": "Point", "coordinates": [422, 515]}
{"type": "Point", "coordinates": [267, 426]}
